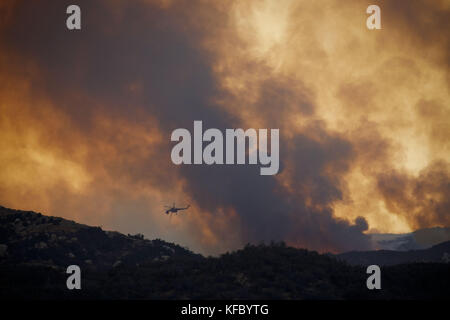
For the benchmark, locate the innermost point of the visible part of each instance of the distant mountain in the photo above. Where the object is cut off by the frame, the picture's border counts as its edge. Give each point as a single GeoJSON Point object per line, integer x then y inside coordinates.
{"type": "Point", "coordinates": [439, 253]}
{"type": "Point", "coordinates": [35, 251]}
{"type": "Point", "coordinates": [419, 239]}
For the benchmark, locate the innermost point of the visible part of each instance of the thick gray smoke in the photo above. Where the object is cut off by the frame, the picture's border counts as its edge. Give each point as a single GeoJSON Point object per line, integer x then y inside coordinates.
{"type": "Point", "coordinates": [127, 42]}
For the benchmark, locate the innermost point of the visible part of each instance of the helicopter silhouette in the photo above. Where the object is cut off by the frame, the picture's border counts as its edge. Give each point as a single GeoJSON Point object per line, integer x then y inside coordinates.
{"type": "Point", "coordinates": [173, 209]}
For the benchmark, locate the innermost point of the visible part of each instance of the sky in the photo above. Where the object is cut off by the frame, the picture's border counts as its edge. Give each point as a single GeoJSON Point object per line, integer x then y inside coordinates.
{"type": "Point", "coordinates": [86, 117]}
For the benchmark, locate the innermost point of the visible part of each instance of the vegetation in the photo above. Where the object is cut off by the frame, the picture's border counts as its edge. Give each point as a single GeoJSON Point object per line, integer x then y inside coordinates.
{"type": "Point", "coordinates": [115, 266]}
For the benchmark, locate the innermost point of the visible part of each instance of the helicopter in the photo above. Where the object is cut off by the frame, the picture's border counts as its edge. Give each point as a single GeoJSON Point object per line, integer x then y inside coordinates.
{"type": "Point", "coordinates": [173, 209]}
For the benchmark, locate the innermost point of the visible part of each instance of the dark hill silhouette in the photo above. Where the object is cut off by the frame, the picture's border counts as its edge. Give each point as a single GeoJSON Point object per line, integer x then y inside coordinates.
{"type": "Point", "coordinates": [31, 238]}
{"type": "Point", "coordinates": [35, 251]}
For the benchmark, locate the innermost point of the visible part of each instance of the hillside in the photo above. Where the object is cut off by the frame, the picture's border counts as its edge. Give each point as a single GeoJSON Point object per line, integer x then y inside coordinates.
{"type": "Point", "coordinates": [36, 250]}
{"type": "Point", "coordinates": [29, 238]}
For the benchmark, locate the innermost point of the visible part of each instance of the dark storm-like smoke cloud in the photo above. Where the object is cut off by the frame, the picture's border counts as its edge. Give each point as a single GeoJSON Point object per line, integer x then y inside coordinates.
{"type": "Point", "coordinates": [160, 49]}
{"type": "Point", "coordinates": [424, 200]}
